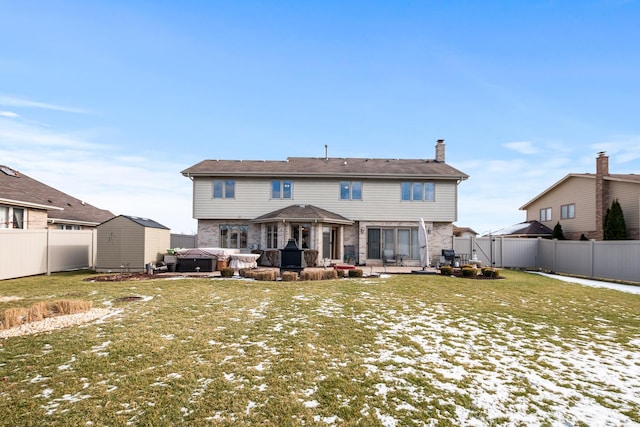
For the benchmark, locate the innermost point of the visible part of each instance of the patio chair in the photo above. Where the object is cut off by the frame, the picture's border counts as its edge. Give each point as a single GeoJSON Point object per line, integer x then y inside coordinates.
{"type": "Point", "coordinates": [389, 258]}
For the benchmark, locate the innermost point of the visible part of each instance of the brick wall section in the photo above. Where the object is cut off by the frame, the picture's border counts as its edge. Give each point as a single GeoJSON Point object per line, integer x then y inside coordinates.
{"type": "Point", "coordinates": [602, 193]}
{"type": "Point", "coordinates": [37, 219]}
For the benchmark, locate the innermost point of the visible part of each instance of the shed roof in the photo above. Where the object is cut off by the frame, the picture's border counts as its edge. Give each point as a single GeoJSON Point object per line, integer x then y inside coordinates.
{"type": "Point", "coordinates": [145, 222]}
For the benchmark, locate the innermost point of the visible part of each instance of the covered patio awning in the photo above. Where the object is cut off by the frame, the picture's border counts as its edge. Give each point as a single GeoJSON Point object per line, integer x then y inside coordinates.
{"type": "Point", "coordinates": [303, 213]}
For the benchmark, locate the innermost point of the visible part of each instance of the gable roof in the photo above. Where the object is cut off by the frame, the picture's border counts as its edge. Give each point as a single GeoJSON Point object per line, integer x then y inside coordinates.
{"type": "Point", "coordinates": [145, 222]}
{"type": "Point", "coordinates": [328, 167]}
{"type": "Point", "coordinates": [525, 229]}
{"type": "Point", "coordinates": [629, 177]}
{"type": "Point", "coordinates": [19, 189]}
{"type": "Point", "coordinates": [303, 213]}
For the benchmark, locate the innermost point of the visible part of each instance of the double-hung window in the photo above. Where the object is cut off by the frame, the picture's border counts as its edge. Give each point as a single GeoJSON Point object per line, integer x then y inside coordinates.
{"type": "Point", "coordinates": [224, 188]}
{"type": "Point", "coordinates": [282, 189]}
{"type": "Point", "coordinates": [351, 190]}
{"type": "Point", "coordinates": [568, 211]}
{"type": "Point", "coordinates": [545, 214]}
{"type": "Point", "coordinates": [11, 217]}
{"type": "Point", "coordinates": [418, 191]}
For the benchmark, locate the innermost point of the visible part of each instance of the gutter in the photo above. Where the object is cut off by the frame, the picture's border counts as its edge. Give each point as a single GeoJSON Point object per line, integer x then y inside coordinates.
{"type": "Point", "coordinates": [30, 205]}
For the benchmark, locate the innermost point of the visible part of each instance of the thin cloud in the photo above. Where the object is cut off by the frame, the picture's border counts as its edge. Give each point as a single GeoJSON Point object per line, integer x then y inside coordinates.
{"type": "Point", "coordinates": [32, 137]}
{"type": "Point", "coordinates": [12, 101]}
{"type": "Point", "coordinates": [104, 177]}
{"type": "Point", "coordinates": [9, 114]}
{"type": "Point", "coordinates": [622, 149]}
{"type": "Point", "coordinates": [522, 147]}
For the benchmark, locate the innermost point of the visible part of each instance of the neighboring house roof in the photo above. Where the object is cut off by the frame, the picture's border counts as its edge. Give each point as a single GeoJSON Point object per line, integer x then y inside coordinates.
{"type": "Point", "coordinates": [525, 229]}
{"type": "Point", "coordinates": [303, 213]}
{"type": "Point", "coordinates": [20, 190]}
{"type": "Point", "coordinates": [458, 231]}
{"type": "Point", "coordinates": [327, 167]}
{"type": "Point", "coordinates": [145, 222]}
{"type": "Point", "coordinates": [632, 178]}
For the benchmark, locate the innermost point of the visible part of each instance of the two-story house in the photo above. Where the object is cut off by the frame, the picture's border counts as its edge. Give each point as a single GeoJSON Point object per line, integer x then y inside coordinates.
{"type": "Point", "coordinates": [355, 207]}
{"type": "Point", "coordinates": [26, 203]}
{"type": "Point", "coordinates": [579, 202]}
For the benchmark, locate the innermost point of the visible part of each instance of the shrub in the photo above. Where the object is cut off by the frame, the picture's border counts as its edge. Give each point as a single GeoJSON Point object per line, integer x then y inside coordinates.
{"type": "Point", "coordinates": [227, 272]}
{"type": "Point", "coordinates": [39, 311]}
{"type": "Point", "coordinates": [289, 276]}
{"type": "Point", "coordinates": [310, 275]}
{"type": "Point", "coordinates": [13, 317]}
{"type": "Point", "coordinates": [467, 266]}
{"type": "Point", "coordinates": [557, 232]}
{"type": "Point", "coordinates": [469, 272]}
{"type": "Point", "coordinates": [446, 270]}
{"type": "Point", "coordinates": [356, 272]}
{"type": "Point", "coordinates": [272, 256]}
{"type": "Point", "coordinates": [310, 257]}
{"type": "Point", "coordinates": [340, 273]}
{"type": "Point", "coordinates": [490, 272]}
{"type": "Point", "coordinates": [70, 306]}
{"type": "Point", "coordinates": [329, 274]}
{"type": "Point", "coordinates": [267, 275]}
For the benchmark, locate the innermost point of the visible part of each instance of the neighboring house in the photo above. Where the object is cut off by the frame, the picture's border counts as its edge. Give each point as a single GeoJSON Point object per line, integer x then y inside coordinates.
{"type": "Point", "coordinates": [579, 202]}
{"type": "Point", "coordinates": [464, 232]}
{"type": "Point", "coordinates": [29, 204]}
{"type": "Point", "coordinates": [129, 243]}
{"type": "Point", "coordinates": [345, 208]}
{"type": "Point", "coordinates": [525, 229]}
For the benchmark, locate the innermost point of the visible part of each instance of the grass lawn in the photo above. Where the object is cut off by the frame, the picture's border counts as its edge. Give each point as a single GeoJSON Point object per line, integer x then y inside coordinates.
{"type": "Point", "coordinates": [406, 350]}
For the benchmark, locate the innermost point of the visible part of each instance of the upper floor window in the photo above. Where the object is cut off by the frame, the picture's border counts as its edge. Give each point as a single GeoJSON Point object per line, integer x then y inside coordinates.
{"type": "Point", "coordinates": [351, 190]}
{"type": "Point", "coordinates": [545, 214]}
{"type": "Point", "coordinates": [281, 189]}
{"type": "Point", "coordinates": [418, 191]}
{"type": "Point", "coordinates": [11, 217]}
{"type": "Point", "coordinates": [224, 188]}
{"type": "Point", "coordinates": [568, 211]}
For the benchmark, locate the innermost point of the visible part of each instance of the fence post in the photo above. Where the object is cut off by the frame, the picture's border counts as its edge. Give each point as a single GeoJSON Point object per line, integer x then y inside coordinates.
{"type": "Point", "coordinates": [48, 262]}
{"type": "Point", "coordinates": [593, 257]}
{"type": "Point", "coordinates": [555, 242]}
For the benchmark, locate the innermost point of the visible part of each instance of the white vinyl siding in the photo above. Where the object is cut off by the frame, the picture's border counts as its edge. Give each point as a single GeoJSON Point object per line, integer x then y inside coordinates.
{"type": "Point", "coordinates": [381, 200]}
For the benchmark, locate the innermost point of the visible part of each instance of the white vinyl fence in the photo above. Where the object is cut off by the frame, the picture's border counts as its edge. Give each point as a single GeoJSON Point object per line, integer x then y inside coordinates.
{"type": "Point", "coordinates": [610, 259]}
{"type": "Point", "coordinates": [31, 252]}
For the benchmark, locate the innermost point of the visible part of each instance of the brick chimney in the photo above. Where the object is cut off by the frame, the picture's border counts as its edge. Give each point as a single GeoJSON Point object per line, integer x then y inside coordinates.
{"type": "Point", "coordinates": [440, 151]}
{"type": "Point", "coordinates": [602, 193]}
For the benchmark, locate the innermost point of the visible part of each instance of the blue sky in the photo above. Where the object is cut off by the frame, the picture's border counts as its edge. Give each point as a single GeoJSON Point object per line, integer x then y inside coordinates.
{"type": "Point", "coordinates": [110, 100]}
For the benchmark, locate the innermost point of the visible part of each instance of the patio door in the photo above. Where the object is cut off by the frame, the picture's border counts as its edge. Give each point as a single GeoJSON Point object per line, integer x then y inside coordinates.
{"type": "Point", "coordinates": [300, 232]}
{"type": "Point", "coordinates": [329, 242]}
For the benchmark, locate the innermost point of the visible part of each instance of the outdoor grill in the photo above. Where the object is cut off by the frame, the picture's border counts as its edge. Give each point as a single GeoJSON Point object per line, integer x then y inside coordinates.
{"type": "Point", "coordinates": [449, 255]}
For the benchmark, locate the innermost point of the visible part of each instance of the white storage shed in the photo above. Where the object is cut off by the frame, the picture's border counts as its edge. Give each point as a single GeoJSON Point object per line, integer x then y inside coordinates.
{"type": "Point", "coordinates": [129, 243]}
